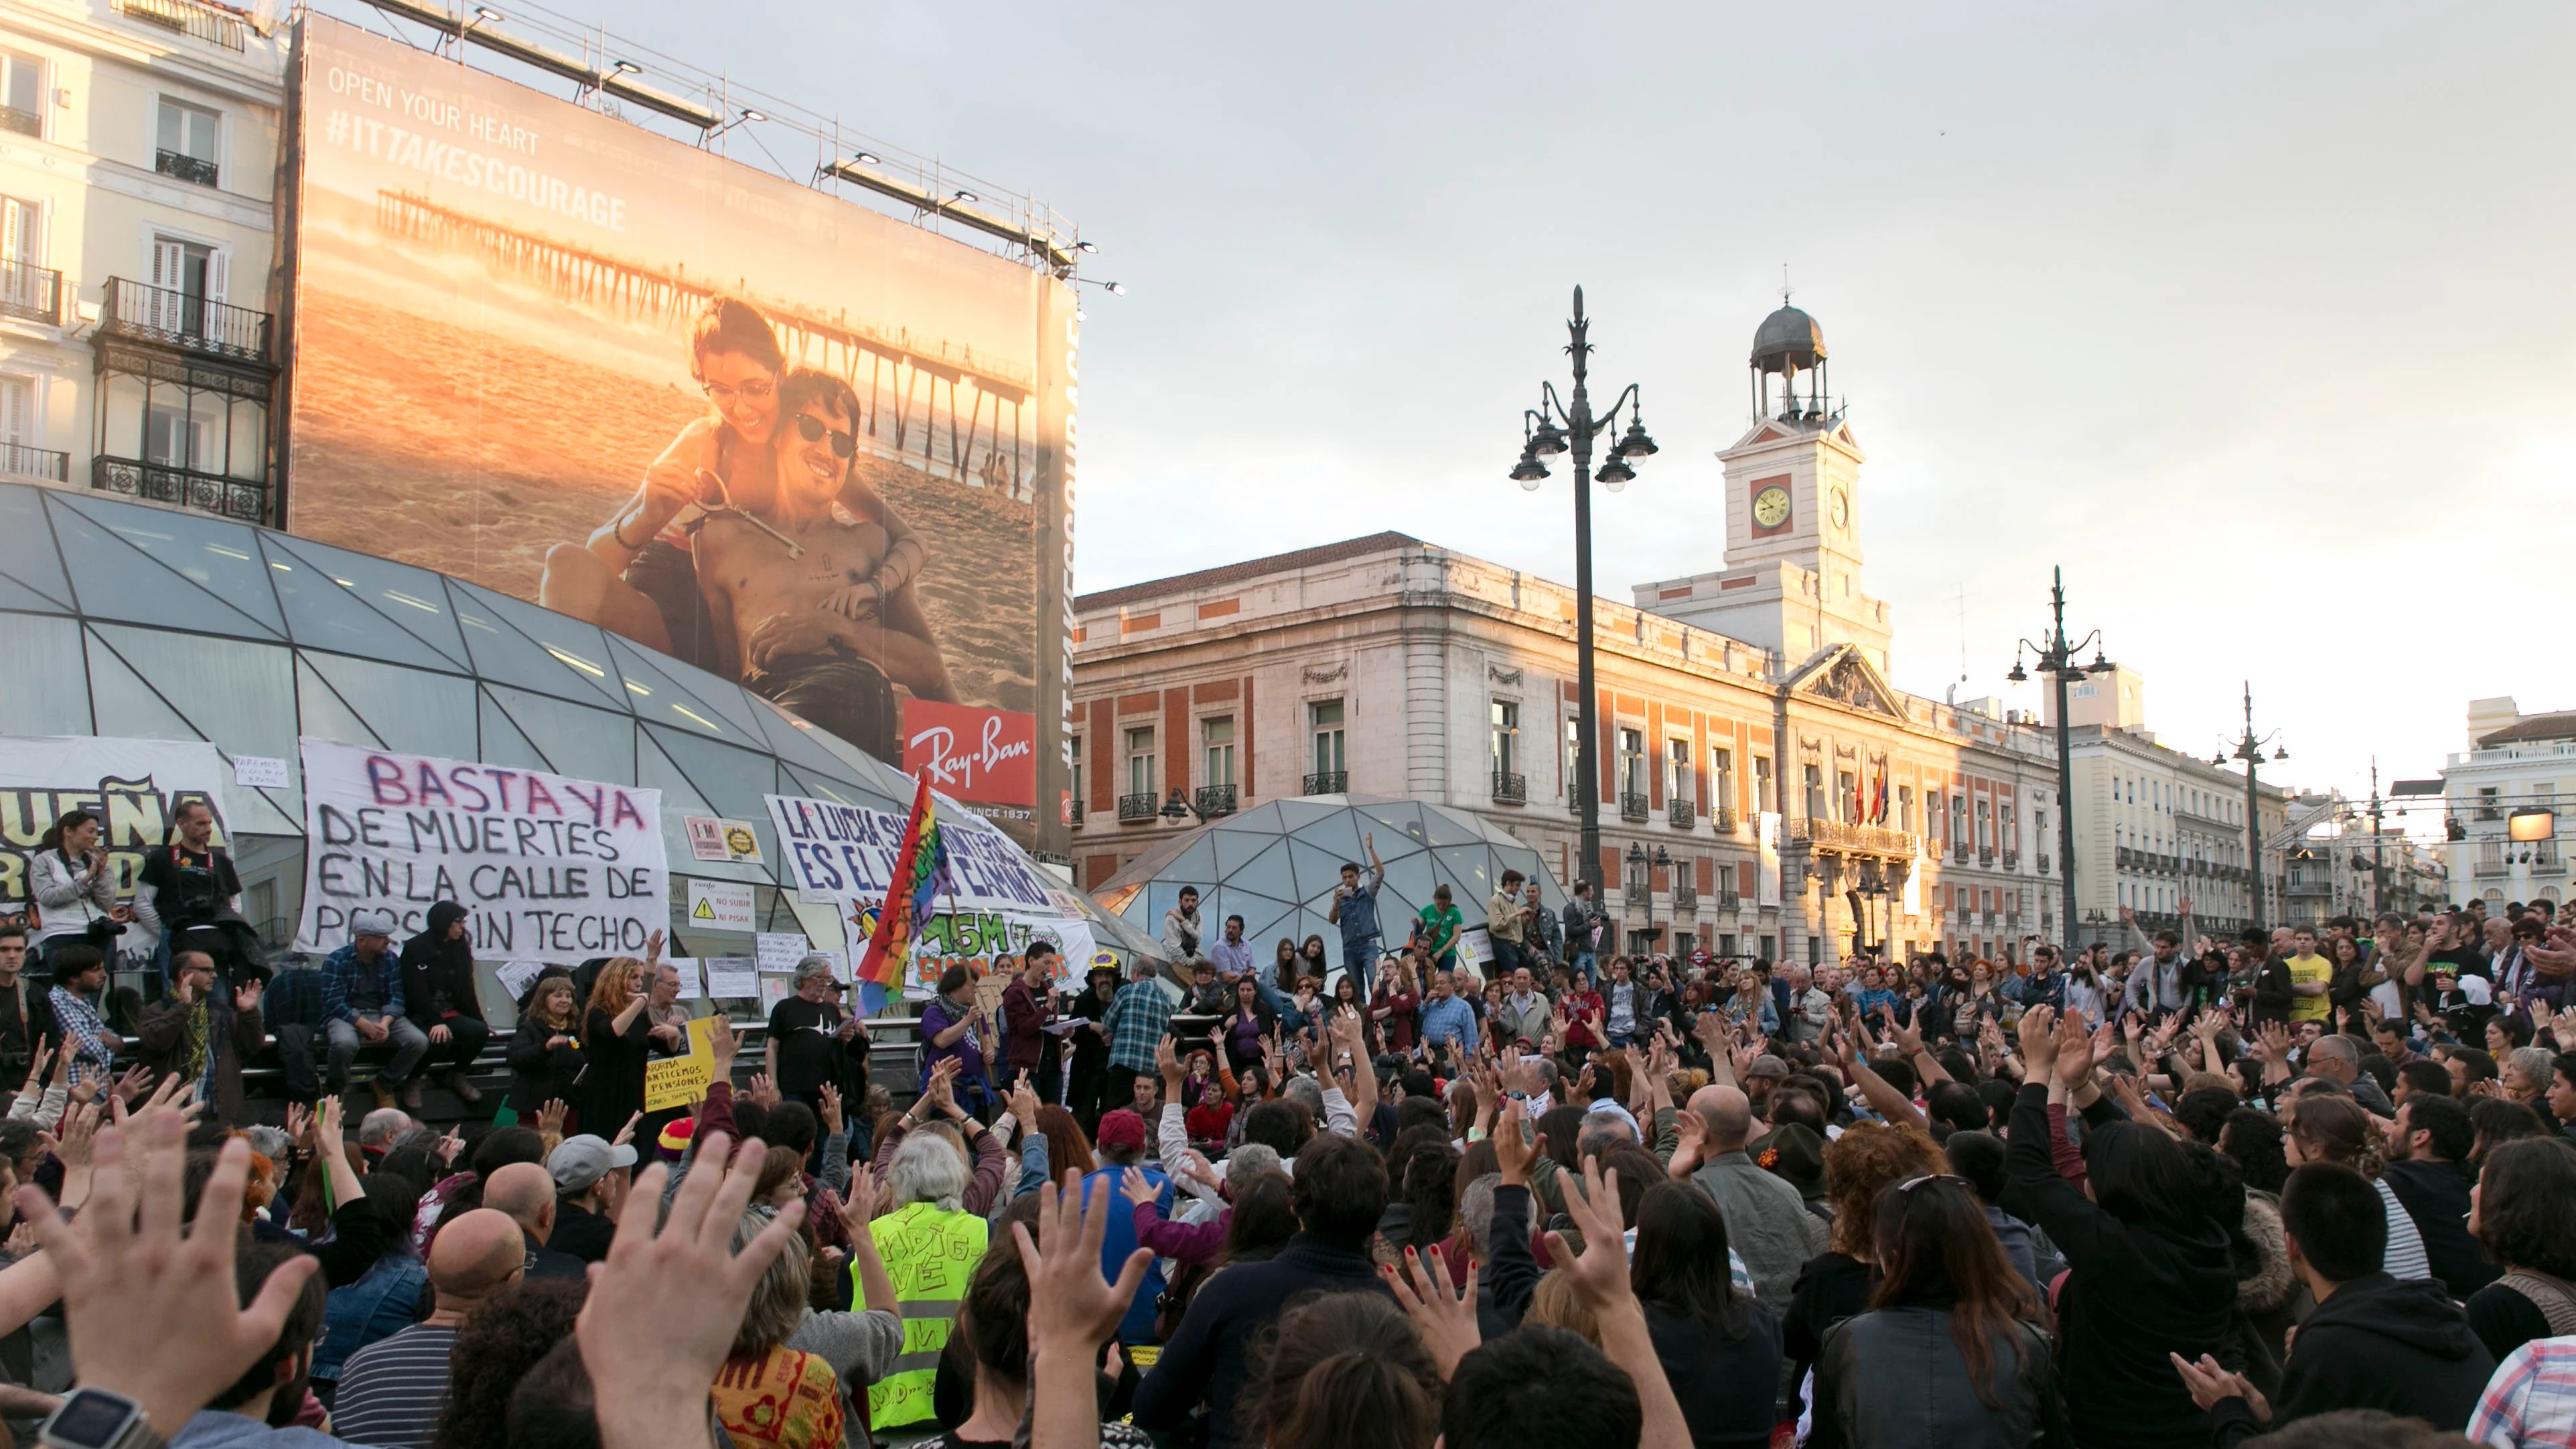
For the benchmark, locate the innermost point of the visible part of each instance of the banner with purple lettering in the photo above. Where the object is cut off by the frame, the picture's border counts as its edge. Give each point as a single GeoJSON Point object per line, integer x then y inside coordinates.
{"type": "Point", "coordinates": [550, 868]}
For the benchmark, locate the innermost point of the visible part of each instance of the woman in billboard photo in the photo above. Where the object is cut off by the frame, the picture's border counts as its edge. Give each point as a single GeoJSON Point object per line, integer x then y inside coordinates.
{"type": "Point", "coordinates": [635, 574]}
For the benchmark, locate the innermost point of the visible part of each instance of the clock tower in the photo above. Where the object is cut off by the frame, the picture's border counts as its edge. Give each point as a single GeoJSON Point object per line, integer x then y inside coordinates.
{"type": "Point", "coordinates": [1791, 580]}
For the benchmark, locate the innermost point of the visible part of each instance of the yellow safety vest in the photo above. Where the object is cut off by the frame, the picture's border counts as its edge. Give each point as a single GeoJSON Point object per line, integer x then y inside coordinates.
{"type": "Point", "coordinates": [930, 1255]}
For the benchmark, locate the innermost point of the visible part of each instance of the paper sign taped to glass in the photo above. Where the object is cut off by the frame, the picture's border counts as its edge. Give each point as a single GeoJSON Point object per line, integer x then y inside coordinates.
{"type": "Point", "coordinates": [679, 1081]}
{"type": "Point", "coordinates": [992, 900]}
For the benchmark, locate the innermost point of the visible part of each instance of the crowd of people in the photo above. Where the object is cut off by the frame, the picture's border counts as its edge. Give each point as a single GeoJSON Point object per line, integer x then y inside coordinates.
{"type": "Point", "coordinates": [2302, 1187]}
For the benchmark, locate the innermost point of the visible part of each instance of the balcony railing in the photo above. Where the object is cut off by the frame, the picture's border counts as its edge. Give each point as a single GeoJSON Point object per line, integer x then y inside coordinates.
{"type": "Point", "coordinates": [1985, 855]}
{"type": "Point", "coordinates": [1214, 800]}
{"type": "Point", "coordinates": [34, 294]}
{"type": "Point", "coordinates": [1510, 788]}
{"type": "Point", "coordinates": [2488, 868]}
{"type": "Point", "coordinates": [20, 461]}
{"type": "Point", "coordinates": [25, 123]}
{"type": "Point", "coordinates": [195, 170]}
{"type": "Point", "coordinates": [2047, 864]}
{"type": "Point", "coordinates": [188, 18]}
{"type": "Point", "coordinates": [1874, 839]}
{"type": "Point", "coordinates": [1959, 854]}
{"type": "Point", "coordinates": [1074, 809]}
{"type": "Point", "coordinates": [1685, 901]}
{"type": "Point", "coordinates": [242, 498]}
{"type": "Point", "coordinates": [1722, 820]}
{"type": "Point", "coordinates": [1574, 798]}
{"type": "Point", "coordinates": [1329, 782]}
{"type": "Point", "coordinates": [158, 314]}
{"type": "Point", "coordinates": [2012, 860]}
{"type": "Point", "coordinates": [1632, 805]}
{"type": "Point", "coordinates": [1728, 900]}
{"type": "Point", "coordinates": [1639, 893]}
{"type": "Point", "coordinates": [1132, 808]}
{"type": "Point", "coordinates": [1682, 813]}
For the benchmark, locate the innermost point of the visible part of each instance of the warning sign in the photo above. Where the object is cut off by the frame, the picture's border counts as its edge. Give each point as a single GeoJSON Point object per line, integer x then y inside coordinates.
{"type": "Point", "coordinates": [717, 905]}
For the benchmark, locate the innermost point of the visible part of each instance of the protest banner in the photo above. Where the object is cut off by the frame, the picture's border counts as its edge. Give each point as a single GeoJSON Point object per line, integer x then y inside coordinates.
{"type": "Point", "coordinates": [549, 868]}
{"type": "Point", "coordinates": [678, 1081]}
{"type": "Point", "coordinates": [132, 786]}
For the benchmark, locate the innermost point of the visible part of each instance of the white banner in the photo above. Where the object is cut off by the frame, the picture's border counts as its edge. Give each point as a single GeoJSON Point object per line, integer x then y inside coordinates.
{"type": "Point", "coordinates": [551, 868]}
{"type": "Point", "coordinates": [132, 786]}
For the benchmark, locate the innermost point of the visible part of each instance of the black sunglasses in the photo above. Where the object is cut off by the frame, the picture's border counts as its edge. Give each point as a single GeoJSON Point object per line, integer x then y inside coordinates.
{"type": "Point", "coordinates": [811, 428]}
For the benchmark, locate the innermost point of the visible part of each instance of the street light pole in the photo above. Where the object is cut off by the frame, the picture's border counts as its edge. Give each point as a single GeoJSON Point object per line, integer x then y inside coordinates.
{"type": "Point", "coordinates": [2057, 659]}
{"type": "Point", "coordinates": [1555, 426]}
{"type": "Point", "coordinates": [2378, 858]}
{"type": "Point", "coordinates": [2249, 748]}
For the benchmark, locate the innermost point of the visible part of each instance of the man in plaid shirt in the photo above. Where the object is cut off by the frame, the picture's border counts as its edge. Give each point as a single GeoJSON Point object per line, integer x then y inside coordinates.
{"type": "Point", "coordinates": [2531, 1401]}
{"type": "Point", "coordinates": [298, 1005]}
{"type": "Point", "coordinates": [1137, 1019]}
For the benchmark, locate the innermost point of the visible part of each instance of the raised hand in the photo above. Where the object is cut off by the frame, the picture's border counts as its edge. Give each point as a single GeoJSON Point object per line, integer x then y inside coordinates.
{"type": "Point", "coordinates": [1447, 1320]}
{"type": "Point", "coordinates": [1600, 1273]}
{"type": "Point", "coordinates": [1512, 1148]}
{"type": "Point", "coordinates": [1025, 1106]}
{"type": "Point", "coordinates": [1137, 1188]}
{"type": "Point", "coordinates": [830, 1097]}
{"type": "Point", "coordinates": [1072, 1309]}
{"type": "Point", "coordinates": [2039, 1039]}
{"type": "Point", "coordinates": [624, 1135]}
{"type": "Point", "coordinates": [764, 1093]}
{"type": "Point", "coordinates": [550, 1119]}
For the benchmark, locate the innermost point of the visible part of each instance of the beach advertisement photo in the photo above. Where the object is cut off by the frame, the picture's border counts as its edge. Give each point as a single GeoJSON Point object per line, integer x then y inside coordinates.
{"type": "Point", "coordinates": [798, 443]}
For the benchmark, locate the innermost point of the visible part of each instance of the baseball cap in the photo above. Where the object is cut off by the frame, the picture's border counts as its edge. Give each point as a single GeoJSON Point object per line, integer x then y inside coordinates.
{"type": "Point", "coordinates": [584, 1159]}
{"type": "Point", "coordinates": [1121, 1128]}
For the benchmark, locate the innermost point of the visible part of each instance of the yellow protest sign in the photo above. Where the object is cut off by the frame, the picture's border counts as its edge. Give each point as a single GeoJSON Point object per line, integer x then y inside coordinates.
{"type": "Point", "coordinates": [679, 1081]}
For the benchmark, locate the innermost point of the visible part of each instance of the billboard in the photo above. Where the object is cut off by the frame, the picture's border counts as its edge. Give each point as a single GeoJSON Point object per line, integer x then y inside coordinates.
{"type": "Point", "coordinates": [797, 443]}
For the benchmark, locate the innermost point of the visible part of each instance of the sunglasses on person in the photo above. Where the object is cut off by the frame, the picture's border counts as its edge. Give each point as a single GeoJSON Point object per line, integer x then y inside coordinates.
{"type": "Point", "coordinates": [813, 430]}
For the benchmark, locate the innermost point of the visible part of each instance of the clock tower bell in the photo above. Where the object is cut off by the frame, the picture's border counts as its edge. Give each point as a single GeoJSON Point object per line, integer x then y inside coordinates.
{"type": "Point", "coordinates": [1791, 579]}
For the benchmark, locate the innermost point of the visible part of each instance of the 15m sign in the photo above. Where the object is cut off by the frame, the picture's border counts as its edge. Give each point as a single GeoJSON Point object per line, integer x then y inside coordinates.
{"type": "Point", "coordinates": [550, 868]}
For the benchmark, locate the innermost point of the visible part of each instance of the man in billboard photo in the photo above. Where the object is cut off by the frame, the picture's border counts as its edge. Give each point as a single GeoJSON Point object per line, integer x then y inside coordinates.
{"type": "Point", "coordinates": [807, 610]}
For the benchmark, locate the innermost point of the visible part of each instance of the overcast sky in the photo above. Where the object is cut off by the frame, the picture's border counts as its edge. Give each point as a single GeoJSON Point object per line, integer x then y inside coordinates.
{"type": "Point", "coordinates": [2255, 317]}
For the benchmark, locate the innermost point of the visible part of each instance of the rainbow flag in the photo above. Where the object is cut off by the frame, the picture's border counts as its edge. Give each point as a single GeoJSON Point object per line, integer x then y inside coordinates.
{"type": "Point", "coordinates": [908, 900]}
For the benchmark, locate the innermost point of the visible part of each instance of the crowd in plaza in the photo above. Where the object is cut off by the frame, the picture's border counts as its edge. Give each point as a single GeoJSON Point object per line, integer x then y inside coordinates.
{"type": "Point", "coordinates": [1427, 1184]}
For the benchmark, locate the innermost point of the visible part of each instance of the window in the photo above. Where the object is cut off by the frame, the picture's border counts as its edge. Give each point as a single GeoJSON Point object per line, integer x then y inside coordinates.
{"type": "Point", "coordinates": [1814, 779]}
{"type": "Point", "coordinates": [1632, 762]}
{"type": "Point", "coordinates": [188, 142]}
{"type": "Point", "coordinates": [1076, 745]}
{"type": "Point", "coordinates": [1721, 779]}
{"type": "Point", "coordinates": [1217, 735]}
{"type": "Point", "coordinates": [1573, 758]}
{"type": "Point", "coordinates": [2490, 802]}
{"type": "Point", "coordinates": [1905, 807]}
{"type": "Point", "coordinates": [1324, 718]}
{"type": "Point", "coordinates": [1506, 738]}
{"type": "Point", "coordinates": [1763, 792]}
{"type": "Point", "coordinates": [1677, 771]}
{"type": "Point", "coordinates": [1844, 804]}
{"type": "Point", "coordinates": [1140, 761]}
{"type": "Point", "coordinates": [22, 94]}
{"type": "Point", "coordinates": [1985, 825]}
{"type": "Point", "coordinates": [1959, 821]}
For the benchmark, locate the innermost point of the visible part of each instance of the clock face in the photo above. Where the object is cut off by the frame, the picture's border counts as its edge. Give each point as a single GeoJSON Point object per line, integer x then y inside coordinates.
{"type": "Point", "coordinates": [1771, 507]}
{"type": "Point", "coordinates": [1842, 509]}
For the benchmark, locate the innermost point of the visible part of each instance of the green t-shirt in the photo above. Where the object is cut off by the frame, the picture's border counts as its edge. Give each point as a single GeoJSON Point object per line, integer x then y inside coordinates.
{"type": "Point", "coordinates": [1440, 926]}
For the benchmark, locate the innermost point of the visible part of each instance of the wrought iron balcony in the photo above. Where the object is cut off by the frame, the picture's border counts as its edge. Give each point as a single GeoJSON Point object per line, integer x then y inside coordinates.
{"type": "Point", "coordinates": [1837, 835]}
{"type": "Point", "coordinates": [1132, 808]}
{"type": "Point", "coordinates": [1329, 782]}
{"type": "Point", "coordinates": [2012, 860]}
{"type": "Point", "coordinates": [20, 461]}
{"type": "Point", "coordinates": [243, 498]}
{"type": "Point", "coordinates": [187, 17]}
{"type": "Point", "coordinates": [1722, 819]}
{"type": "Point", "coordinates": [1959, 853]}
{"type": "Point", "coordinates": [31, 293]}
{"type": "Point", "coordinates": [1215, 800]}
{"type": "Point", "coordinates": [1510, 788]}
{"type": "Point", "coordinates": [1639, 893]}
{"type": "Point", "coordinates": [180, 166]}
{"type": "Point", "coordinates": [1632, 805]}
{"type": "Point", "coordinates": [1685, 901]}
{"type": "Point", "coordinates": [2047, 864]}
{"type": "Point", "coordinates": [1985, 855]}
{"type": "Point", "coordinates": [25, 123]}
{"type": "Point", "coordinates": [1574, 798]}
{"type": "Point", "coordinates": [1682, 813]}
{"type": "Point", "coordinates": [175, 319]}
{"type": "Point", "coordinates": [1074, 809]}
{"type": "Point", "coordinates": [1728, 900]}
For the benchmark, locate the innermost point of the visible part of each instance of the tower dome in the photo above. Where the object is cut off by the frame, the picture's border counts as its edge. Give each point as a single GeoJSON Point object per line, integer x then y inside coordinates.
{"type": "Point", "coordinates": [1788, 341]}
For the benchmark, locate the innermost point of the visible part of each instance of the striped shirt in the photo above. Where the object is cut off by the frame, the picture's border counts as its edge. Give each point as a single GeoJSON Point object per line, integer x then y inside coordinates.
{"type": "Point", "coordinates": [2405, 1245]}
{"type": "Point", "coordinates": [2531, 1401]}
{"type": "Point", "coordinates": [392, 1391]}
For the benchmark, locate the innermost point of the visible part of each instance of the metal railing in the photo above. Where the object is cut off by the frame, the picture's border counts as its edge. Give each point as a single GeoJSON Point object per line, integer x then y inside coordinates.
{"type": "Point", "coordinates": [2047, 864]}
{"type": "Point", "coordinates": [1722, 820]}
{"type": "Point", "coordinates": [1876, 839]}
{"type": "Point", "coordinates": [20, 461]}
{"type": "Point", "coordinates": [204, 22]}
{"type": "Point", "coordinates": [1959, 854]}
{"type": "Point", "coordinates": [1639, 893]}
{"type": "Point", "coordinates": [1075, 807]}
{"type": "Point", "coordinates": [245, 499]}
{"type": "Point", "coordinates": [25, 123]}
{"type": "Point", "coordinates": [1632, 805]}
{"type": "Point", "coordinates": [1132, 808]}
{"type": "Point", "coordinates": [1682, 813]}
{"type": "Point", "coordinates": [1728, 900]}
{"type": "Point", "coordinates": [1685, 901]}
{"type": "Point", "coordinates": [2012, 860]}
{"type": "Point", "coordinates": [1215, 800]}
{"type": "Point", "coordinates": [1328, 782]}
{"type": "Point", "coordinates": [31, 292]}
{"type": "Point", "coordinates": [159, 314]}
{"type": "Point", "coordinates": [1510, 789]}
{"type": "Point", "coordinates": [180, 166]}
{"type": "Point", "coordinates": [1574, 798]}
{"type": "Point", "coordinates": [1985, 855]}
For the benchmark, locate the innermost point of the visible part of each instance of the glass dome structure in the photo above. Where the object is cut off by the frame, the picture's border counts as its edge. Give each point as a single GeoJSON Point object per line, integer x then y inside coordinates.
{"type": "Point", "coordinates": [1276, 866]}
{"type": "Point", "coordinates": [133, 620]}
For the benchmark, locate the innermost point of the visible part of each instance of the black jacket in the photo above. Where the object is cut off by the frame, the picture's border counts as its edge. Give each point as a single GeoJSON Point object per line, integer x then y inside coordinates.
{"type": "Point", "coordinates": [540, 1074]}
{"type": "Point", "coordinates": [1511, 1274]}
{"type": "Point", "coordinates": [2436, 1196]}
{"type": "Point", "coordinates": [1727, 1386]}
{"type": "Point", "coordinates": [1212, 1356]}
{"type": "Point", "coordinates": [2378, 1343]}
{"type": "Point", "coordinates": [2136, 1293]}
{"type": "Point", "coordinates": [438, 974]}
{"type": "Point", "coordinates": [1895, 1379]}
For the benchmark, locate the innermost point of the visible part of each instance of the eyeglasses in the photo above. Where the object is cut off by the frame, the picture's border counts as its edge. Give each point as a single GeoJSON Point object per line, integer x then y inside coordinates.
{"type": "Point", "coordinates": [1911, 1183]}
{"type": "Point", "coordinates": [812, 430]}
{"type": "Point", "coordinates": [724, 395]}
